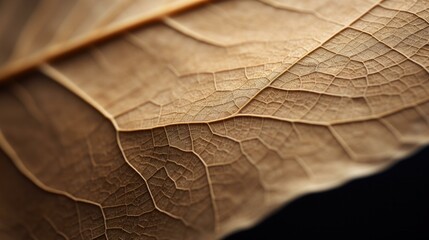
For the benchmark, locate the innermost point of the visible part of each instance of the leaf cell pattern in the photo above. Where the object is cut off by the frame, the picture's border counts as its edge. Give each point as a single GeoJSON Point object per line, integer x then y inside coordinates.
{"type": "Point", "coordinates": [180, 129]}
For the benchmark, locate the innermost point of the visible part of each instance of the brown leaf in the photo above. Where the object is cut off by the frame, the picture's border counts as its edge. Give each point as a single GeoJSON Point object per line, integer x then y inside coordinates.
{"type": "Point", "coordinates": [36, 31]}
{"type": "Point", "coordinates": [205, 122]}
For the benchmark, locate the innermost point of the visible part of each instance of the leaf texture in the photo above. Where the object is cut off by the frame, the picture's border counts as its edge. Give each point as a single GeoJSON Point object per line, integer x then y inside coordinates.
{"type": "Point", "coordinates": [203, 123]}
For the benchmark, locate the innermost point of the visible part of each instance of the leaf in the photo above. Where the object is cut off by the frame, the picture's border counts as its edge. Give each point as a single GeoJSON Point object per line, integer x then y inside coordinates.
{"type": "Point", "coordinates": [204, 123]}
{"type": "Point", "coordinates": [39, 30]}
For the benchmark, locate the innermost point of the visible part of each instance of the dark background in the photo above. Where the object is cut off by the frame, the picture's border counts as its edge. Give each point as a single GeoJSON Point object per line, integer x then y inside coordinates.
{"type": "Point", "coordinates": [394, 202]}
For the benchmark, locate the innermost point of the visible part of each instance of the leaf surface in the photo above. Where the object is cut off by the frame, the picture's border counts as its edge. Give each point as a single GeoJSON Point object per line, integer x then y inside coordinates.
{"type": "Point", "coordinates": [205, 122]}
{"type": "Point", "coordinates": [36, 31]}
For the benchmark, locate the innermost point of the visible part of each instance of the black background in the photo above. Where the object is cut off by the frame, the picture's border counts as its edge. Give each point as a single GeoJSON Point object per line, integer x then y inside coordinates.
{"type": "Point", "coordinates": [394, 202]}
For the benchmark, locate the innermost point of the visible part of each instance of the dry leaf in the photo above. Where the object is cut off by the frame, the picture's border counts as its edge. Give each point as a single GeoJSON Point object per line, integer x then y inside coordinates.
{"type": "Point", "coordinates": [203, 123]}
{"type": "Point", "coordinates": [38, 30]}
